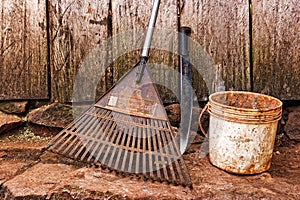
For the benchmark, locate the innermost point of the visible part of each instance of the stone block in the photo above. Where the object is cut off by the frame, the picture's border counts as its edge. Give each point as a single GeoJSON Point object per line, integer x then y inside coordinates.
{"type": "Point", "coordinates": [53, 115]}
{"type": "Point", "coordinates": [9, 122]}
{"type": "Point", "coordinates": [14, 107]}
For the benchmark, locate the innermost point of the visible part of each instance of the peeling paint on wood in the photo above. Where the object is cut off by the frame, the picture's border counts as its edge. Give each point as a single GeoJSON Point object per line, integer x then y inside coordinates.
{"type": "Point", "coordinates": [222, 29]}
{"type": "Point", "coordinates": [23, 50]}
{"type": "Point", "coordinates": [276, 48]}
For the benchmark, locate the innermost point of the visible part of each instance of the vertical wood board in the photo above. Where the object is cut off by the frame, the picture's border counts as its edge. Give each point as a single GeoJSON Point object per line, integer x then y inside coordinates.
{"type": "Point", "coordinates": [23, 50]}
{"type": "Point", "coordinates": [276, 48]}
{"type": "Point", "coordinates": [221, 28]}
{"type": "Point", "coordinates": [79, 30]}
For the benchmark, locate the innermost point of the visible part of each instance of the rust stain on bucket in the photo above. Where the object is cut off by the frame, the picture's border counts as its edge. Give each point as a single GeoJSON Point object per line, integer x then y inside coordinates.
{"type": "Point", "coordinates": [242, 130]}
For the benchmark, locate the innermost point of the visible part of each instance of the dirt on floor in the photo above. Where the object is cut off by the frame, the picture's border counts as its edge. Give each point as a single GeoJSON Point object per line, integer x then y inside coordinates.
{"type": "Point", "coordinates": [29, 171]}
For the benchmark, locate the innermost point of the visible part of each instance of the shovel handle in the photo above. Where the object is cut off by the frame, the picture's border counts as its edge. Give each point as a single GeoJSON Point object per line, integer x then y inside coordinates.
{"type": "Point", "coordinates": [199, 120]}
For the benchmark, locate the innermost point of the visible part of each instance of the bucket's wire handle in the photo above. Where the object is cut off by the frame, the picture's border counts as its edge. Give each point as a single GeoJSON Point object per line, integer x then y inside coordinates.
{"type": "Point", "coordinates": [199, 120]}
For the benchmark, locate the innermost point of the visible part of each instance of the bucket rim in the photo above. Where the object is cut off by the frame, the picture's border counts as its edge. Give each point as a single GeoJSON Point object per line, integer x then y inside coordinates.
{"type": "Point", "coordinates": [211, 101]}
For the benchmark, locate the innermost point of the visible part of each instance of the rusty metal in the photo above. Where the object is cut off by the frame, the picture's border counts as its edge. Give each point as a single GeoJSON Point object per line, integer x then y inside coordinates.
{"type": "Point", "coordinates": [125, 143]}
{"type": "Point", "coordinates": [242, 130]}
{"type": "Point", "coordinates": [139, 99]}
{"type": "Point", "coordinates": [127, 129]}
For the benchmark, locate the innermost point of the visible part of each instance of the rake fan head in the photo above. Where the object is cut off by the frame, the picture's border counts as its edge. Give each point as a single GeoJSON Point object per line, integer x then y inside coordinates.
{"type": "Point", "coordinates": [127, 132]}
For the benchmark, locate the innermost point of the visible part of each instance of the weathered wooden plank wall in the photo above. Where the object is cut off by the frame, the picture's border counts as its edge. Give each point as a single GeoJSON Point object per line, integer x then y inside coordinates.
{"type": "Point", "coordinates": [77, 27]}
{"type": "Point", "coordinates": [276, 48]}
{"type": "Point", "coordinates": [23, 50]}
{"type": "Point", "coordinates": [79, 44]}
{"type": "Point", "coordinates": [222, 29]}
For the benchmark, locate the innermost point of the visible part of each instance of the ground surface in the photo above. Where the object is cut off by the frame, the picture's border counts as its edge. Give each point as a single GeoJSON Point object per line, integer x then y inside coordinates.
{"type": "Point", "coordinates": [29, 172]}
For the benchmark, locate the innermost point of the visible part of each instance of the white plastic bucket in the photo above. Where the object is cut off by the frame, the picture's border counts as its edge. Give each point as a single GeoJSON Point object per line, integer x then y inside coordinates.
{"type": "Point", "coordinates": [242, 130]}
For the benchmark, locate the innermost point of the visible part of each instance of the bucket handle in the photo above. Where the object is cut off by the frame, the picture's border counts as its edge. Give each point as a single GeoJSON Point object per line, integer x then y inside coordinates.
{"type": "Point", "coordinates": [199, 120]}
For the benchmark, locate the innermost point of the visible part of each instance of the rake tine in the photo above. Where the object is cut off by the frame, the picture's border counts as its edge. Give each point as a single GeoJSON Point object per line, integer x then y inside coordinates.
{"type": "Point", "coordinates": [132, 145]}
{"type": "Point", "coordinates": [189, 180]}
{"type": "Point", "coordinates": [90, 130]}
{"type": "Point", "coordinates": [144, 154]}
{"type": "Point", "coordinates": [170, 138]}
{"type": "Point", "coordinates": [175, 145]}
{"type": "Point", "coordinates": [91, 111]}
{"type": "Point", "coordinates": [107, 151]}
{"type": "Point", "coordinates": [80, 120]}
{"type": "Point", "coordinates": [66, 142]}
{"type": "Point", "coordinates": [73, 133]}
{"type": "Point", "coordinates": [175, 150]}
{"type": "Point", "coordinates": [100, 112]}
{"type": "Point", "coordinates": [88, 147]}
{"type": "Point", "coordinates": [96, 120]}
{"type": "Point", "coordinates": [80, 150]}
{"type": "Point", "coordinates": [71, 144]}
{"type": "Point", "coordinates": [119, 134]}
{"type": "Point", "coordinates": [127, 118]}
{"type": "Point", "coordinates": [127, 146]}
{"type": "Point", "coordinates": [167, 146]}
{"type": "Point", "coordinates": [93, 132]}
{"type": "Point", "coordinates": [110, 140]}
{"type": "Point", "coordinates": [101, 132]}
{"type": "Point", "coordinates": [84, 130]}
{"type": "Point", "coordinates": [137, 166]}
{"type": "Point", "coordinates": [124, 134]}
{"type": "Point", "coordinates": [110, 127]}
{"type": "Point", "coordinates": [78, 144]}
{"type": "Point", "coordinates": [94, 151]}
{"type": "Point", "coordinates": [83, 136]}
{"type": "Point", "coordinates": [155, 154]}
{"type": "Point", "coordinates": [57, 140]}
{"type": "Point", "coordinates": [80, 123]}
{"type": "Point", "coordinates": [150, 155]}
{"type": "Point", "coordinates": [162, 149]}
{"type": "Point", "coordinates": [182, 164]}
{"type": "Point", "coordinates": [54, 141]}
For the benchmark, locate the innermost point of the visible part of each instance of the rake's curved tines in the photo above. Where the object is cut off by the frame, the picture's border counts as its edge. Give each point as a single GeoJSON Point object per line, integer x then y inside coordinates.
{"type": "Point", "coordinates": [127, 129]}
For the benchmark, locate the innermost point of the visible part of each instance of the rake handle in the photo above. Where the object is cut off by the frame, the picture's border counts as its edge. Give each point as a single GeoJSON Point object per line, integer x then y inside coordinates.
{"type": "Point", "coordinates": [148, 39]}
{"type": "Point", "coordinates": [150, 30]}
